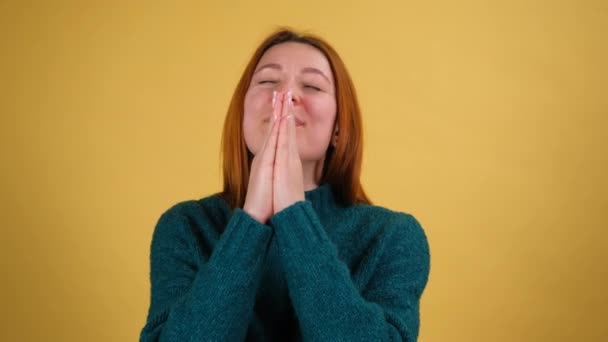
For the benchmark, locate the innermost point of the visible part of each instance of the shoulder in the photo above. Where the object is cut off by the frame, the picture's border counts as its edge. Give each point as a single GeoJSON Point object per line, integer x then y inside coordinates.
{"type": "Point", "coordinates": [403, 240]}
{"type": "Point", "coordinates": [196, 207]}
{"type": "Point", "coordinates": [206, 211]}
{"type": "Point", "coordinates": [393, 225]}
{"type": "Point", "coordinates": [382, 215]}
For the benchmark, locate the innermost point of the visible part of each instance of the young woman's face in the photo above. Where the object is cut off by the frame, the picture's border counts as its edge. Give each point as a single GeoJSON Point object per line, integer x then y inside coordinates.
{"type": "Point", "coordinates": [305, 71]}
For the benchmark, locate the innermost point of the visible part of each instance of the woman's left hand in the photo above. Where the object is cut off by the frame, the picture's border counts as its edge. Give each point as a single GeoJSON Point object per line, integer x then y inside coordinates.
{"type": "Point", "coordinates": [288, 187]}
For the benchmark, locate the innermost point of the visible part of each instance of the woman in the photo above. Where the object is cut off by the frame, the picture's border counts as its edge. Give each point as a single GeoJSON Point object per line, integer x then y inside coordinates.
{"type": "Point", "coordinates": [291, 249]}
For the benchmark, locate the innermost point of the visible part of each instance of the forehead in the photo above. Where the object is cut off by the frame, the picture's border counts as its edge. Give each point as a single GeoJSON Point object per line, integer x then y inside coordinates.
{"type": "Point", "coordinates": [296, 55]}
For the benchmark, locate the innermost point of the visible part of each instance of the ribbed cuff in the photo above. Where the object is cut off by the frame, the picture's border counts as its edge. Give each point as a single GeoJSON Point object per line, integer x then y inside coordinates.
{"type": "Point", "coordinates": [243, 243]}
{"type": "Point", "coordinates": [298, 229]}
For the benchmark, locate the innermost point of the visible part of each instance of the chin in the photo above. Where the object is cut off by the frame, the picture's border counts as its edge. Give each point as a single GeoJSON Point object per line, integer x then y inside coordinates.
{"type": "Point", "coordinates": [310, 156]}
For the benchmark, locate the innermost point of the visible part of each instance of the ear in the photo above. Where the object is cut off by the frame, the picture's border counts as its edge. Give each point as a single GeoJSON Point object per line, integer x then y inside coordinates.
{"type": "Point", "coordinates": [334, 139]}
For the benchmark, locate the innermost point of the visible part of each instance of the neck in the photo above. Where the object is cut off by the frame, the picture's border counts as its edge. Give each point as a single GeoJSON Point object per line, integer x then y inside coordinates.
{"type": "Point", "coordinates": [312, 173]}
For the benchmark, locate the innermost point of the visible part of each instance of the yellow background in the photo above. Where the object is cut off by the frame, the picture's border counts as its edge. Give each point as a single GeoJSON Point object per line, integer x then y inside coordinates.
{"type": "Point", "coordinates": [486, 120]}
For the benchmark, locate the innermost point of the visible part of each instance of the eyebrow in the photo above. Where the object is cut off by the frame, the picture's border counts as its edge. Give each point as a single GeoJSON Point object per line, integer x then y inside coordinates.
{"type": "Point", "coordinates": [310, 70]}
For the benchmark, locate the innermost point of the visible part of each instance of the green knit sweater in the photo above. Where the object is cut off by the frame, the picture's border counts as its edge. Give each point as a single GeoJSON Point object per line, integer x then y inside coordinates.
{"type": "Point", "coordinates": [318, 271]}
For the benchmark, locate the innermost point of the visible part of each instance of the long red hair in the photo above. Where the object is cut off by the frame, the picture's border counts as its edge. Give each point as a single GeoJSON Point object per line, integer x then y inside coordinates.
{"type": "Point", "coordinates": [342, 169]}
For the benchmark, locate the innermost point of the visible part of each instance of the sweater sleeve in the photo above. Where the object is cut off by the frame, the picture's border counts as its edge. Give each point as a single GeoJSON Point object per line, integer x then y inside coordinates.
{"type": "Point", "coordinates": [193, 299]}
{"type": "Point", "coordinates": [327, 302]}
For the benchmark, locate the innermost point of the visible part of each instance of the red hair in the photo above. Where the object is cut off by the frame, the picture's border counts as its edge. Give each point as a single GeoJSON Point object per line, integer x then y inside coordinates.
{"type": "Point", "coordinates": [342, 168]}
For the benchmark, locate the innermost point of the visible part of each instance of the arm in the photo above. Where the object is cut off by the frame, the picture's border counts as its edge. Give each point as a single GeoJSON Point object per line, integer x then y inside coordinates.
{"type": "Point", "coordinates": [327, 303]}
{"type": "Point", "coordinates": [210, 300]}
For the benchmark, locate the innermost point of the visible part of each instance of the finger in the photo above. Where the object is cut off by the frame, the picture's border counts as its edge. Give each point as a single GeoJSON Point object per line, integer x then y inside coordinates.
{"type": "Point", "coordinates": [270, 148]}
{"type": "Point", "coordinates": [270, 143]}
{"type": "Point", "coordinates": [285, 110]}
{"type": "Point", "coordinates": [282, 139]}
{"type": "Point", "coordinates": [276, 101]}
{"type": "Point", "coordinates": [276, 110]}
{"type": "Point", "coordinates": [291, 132]}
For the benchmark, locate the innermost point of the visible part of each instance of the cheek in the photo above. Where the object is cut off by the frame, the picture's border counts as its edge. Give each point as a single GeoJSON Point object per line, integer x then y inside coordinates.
{"type": "Point", "coordinates": [254, 105]}
{"type": "Point", "coordinates": [321, 109]}
{"type": "Point", "coordinates": [258, 102]}
{"type": "Point", "coordinates": [249, 110]}
{"type": "Point", "coordinates": [321, 115]}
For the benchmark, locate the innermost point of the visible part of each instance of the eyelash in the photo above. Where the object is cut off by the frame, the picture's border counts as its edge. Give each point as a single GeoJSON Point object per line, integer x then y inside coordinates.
{"type": "Point", "coordinates": [275, 82]}
{"type": "Point", "coordinates": [312, 87]}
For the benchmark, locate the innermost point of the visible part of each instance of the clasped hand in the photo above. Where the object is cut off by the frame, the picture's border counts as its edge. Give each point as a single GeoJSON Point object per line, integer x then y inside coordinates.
{"type": "Point", "coordinates": [275, 179]}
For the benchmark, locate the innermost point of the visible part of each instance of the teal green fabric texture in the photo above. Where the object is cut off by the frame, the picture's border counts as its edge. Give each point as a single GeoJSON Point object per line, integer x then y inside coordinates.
{"type": "Point", "coordinates": [317, 271]}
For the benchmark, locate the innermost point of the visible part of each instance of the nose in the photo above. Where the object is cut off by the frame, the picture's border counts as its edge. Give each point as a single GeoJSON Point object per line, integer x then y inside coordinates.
{"type": "Point", "coordinates": [296, 99]}
{"type": "Point", "coordinates": [283, 88]}
{"type": "Point", "coordinates": [295, 96]}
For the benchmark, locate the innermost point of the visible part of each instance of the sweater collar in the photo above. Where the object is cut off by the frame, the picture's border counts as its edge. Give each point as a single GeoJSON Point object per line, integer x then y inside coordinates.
{"type": "Point", "coordinates": [322, 198]}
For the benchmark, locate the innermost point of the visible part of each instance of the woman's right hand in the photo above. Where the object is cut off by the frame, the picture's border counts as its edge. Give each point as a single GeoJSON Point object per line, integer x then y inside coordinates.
{"type": "Point", "coordinates": [258, 201]}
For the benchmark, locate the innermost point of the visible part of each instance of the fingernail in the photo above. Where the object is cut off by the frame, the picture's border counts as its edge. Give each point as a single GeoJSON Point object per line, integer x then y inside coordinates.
{"type": "Point", "coordinates": [274, 98]}
{"type": "Point", "coordinates": [289, 99]}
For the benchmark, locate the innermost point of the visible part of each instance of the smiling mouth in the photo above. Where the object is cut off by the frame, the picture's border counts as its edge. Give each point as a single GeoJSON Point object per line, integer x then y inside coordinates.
{"type": "Point", "coordinates": [299, 123]}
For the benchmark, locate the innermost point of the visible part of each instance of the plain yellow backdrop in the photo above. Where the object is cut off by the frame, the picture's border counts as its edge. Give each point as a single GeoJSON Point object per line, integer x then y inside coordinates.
{"type": "Point", "coordinates": [487, 120]}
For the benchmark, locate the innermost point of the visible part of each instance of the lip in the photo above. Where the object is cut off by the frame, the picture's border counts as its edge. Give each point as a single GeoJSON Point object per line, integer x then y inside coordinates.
{"type": "Point", "coordinates": [299, 122]}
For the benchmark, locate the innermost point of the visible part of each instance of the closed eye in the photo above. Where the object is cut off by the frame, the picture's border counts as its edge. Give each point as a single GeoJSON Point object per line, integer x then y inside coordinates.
{"type": "Point", "coordinates": [312, 87]}
{"type": "Point", "coordinates": [267, 82]}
